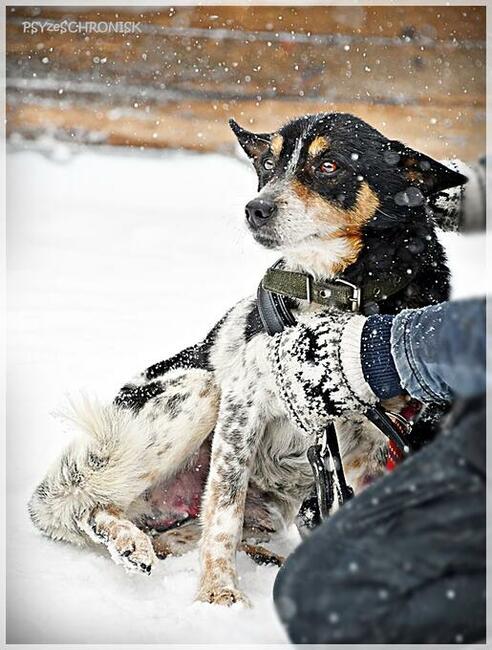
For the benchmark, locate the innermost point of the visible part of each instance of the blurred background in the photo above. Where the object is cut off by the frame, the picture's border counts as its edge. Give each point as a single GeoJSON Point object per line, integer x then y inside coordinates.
{"type": "Point", "coordinates": [416, 73]}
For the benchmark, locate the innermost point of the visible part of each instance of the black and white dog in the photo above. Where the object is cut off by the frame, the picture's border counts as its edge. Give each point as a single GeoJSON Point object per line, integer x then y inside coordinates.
{"type": "Point", "coordinates": [338, 200]}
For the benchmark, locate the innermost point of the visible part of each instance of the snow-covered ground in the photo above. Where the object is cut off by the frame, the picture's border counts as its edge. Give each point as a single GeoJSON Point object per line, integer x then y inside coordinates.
{"type": "Point", "coordinates": [118, 260]}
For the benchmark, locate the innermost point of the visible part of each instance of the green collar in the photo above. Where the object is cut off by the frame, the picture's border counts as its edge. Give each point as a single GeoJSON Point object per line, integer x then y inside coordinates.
{"type": "Point", "coordinates": [334, 293]}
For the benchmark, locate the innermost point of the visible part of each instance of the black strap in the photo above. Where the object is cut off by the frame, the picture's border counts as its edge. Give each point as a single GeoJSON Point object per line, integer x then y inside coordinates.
{"type": "Point", "coordinates": [346, 492]}
{"type": "Point", "coordinates": [322, 481]}
{"type": "Point", "coordinates": [378, 416]}
{"type": "Point", "coordinates": [323, 476]}
{"type": "Point", "coordinates": [274, 313]}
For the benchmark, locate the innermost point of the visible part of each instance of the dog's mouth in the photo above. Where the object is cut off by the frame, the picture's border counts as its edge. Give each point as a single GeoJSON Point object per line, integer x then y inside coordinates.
{"type": "Point", "coordinates": [272, 241]}
{"type": "Point", "coordinates": [266, 239]}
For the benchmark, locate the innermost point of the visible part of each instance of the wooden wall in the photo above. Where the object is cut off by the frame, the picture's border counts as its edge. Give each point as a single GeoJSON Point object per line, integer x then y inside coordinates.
{"type": "Point", "coordinates": [417, 73]}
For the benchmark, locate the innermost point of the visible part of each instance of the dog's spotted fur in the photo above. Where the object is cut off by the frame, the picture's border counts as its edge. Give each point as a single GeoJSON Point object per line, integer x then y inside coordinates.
{"type": "Point", "coordinates": [142, 462]}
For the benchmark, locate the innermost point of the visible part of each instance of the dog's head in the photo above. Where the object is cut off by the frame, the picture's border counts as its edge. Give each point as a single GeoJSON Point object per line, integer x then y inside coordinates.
{"type": "Point", "coordinates": [330, 175]}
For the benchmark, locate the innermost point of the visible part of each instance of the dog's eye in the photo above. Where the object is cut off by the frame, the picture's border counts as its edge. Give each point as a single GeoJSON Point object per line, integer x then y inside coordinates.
{"type": "Point", "coordinates": [328, 167]}
{"type": "Point", "coordinates": [269, 164]}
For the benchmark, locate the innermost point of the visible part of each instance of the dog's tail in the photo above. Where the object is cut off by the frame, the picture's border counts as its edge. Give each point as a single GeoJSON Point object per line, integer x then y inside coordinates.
{"type": "Point", "coordinates": [101, 467]}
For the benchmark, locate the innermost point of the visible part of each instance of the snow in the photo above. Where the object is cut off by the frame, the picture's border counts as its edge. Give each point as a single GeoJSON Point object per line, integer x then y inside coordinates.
{"type": "Point", "coordinates": [117, 260]}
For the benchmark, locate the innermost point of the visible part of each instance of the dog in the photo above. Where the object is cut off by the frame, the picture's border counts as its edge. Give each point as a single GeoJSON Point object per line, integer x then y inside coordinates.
{"type": "Point", "coordinates": [201, 447]}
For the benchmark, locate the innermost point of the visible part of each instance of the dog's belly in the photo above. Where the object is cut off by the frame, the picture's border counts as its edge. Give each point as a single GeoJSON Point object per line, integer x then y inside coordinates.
{"type": "Point", "coordinates": [172, 502]}
{"type": "Point", "coordinates": [175, 502]}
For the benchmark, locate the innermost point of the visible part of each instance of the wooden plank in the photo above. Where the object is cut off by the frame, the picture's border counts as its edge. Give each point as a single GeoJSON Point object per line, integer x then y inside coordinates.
{"type": "Point", "coordinates": [435, 23]}
{"type": "Point", "coordinates": [199, 66]}
{"type": "Point", "coordinates": [417, 70]}
{"type": "Point", "coordinates": [202, 125]}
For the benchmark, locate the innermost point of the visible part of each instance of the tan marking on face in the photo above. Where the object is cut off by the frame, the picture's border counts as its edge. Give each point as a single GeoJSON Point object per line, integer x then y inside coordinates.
{"type": "Point", "coordinates": [276, 144]}
{"type": "Point", "coordinates": [354, 248]}
{"type": "Point", "coordinates": [347, 219]}
{"type": "Point", "coordinates": [348, 222]}
{"type": "Point", "coordinates": [318, 145]}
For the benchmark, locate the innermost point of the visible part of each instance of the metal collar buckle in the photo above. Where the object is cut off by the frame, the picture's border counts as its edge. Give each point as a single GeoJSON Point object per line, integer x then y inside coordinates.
{"type": "Point", "coordinates": [356, 294]}
{"type": "Point", "coordinates": [308, 288]}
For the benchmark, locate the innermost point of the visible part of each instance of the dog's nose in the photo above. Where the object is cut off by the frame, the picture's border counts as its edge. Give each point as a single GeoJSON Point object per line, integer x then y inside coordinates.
{"type": "Point", "coordinates": [258, 211]}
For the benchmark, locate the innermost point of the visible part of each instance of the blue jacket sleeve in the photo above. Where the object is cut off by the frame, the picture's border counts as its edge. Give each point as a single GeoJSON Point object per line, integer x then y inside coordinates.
{"type": "Point", "coordinates": [439, 351]}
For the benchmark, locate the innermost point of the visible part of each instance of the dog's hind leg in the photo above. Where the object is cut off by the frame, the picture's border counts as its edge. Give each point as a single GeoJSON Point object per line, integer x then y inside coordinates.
{"type": "Point", "coordinates": [88, 492]}
{"type": "Point", "coordinates": [185, 538]}
{"type": "Point", "coordinates": [177, 541]}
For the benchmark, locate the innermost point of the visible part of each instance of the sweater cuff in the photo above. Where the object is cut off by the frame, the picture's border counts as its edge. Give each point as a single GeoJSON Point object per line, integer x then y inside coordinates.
{"type": "Point", "coordinates": [350, 357]}
{"type": "Point", "coordinates": [377, 361]}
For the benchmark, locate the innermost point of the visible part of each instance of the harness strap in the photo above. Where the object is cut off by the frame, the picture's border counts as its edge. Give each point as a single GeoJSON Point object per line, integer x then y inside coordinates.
{"type": "Point", "coordinates": [323, 484]}
{"type": "Point", "coordinates": [320, 455]}
{"type": "Point", "coordinates": [274, 314]}
{"type": "Point", "coordinates": [327, 467]}
{"type": "Point", "coordinates": [346, 492]}
{"type": "Point", "coordinates": [378, 416]}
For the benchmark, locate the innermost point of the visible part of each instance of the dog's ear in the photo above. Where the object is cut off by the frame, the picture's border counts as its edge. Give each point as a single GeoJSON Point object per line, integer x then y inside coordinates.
{"type": "Point", "coordinates": [254, 144]}
{"type": "Point", "coordinates": [426, 173]}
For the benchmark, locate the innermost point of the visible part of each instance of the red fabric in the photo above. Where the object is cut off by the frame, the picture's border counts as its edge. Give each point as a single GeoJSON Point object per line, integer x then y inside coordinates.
{"type": "Point", "coordinates": [394, 456]}
{"type": "Point", "coordinates": [409, 412]}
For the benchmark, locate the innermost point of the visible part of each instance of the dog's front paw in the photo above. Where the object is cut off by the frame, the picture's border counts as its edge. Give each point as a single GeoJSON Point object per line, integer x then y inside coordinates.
{"type": "Point", "coordinates": [132, 548]}
{"type": "Point", "coordinates": [220, 595]}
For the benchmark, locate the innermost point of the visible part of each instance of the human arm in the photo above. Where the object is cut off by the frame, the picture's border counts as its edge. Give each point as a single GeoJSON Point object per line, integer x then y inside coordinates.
{"type": "Point", "coordinates": [439, 351]}
{"type": "Point", "coordinates": [435, 353]}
